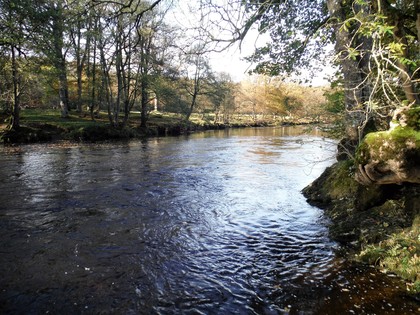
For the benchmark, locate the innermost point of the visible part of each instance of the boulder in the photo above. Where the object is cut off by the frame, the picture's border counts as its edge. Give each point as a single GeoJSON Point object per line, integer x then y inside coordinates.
{"type": "Point", "coordinates": [392, 156]}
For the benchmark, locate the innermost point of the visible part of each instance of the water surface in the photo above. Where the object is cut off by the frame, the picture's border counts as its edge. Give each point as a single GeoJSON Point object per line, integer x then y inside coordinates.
{"type": "Point", "coordinates": [212, 223]}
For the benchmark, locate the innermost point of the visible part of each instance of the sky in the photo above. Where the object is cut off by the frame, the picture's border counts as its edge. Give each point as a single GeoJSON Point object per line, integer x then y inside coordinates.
{"type": "Point", "coordinates": [231, 60]}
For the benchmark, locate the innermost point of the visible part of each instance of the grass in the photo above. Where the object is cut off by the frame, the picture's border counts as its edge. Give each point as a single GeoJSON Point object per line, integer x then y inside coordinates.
{"type": "Point", "coordinates": [74, 121]}
{"type": "Point", "coordinates": [33, 117]}
{"type": "Point", "coordinates": [46, 124]}
{"type": "Point", "coordinates": [399, 254]}
{"type": "Point", "coordinates": [53, 117]}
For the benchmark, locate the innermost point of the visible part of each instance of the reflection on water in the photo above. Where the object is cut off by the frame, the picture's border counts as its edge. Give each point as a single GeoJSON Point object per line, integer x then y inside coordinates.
{"type": "Point", "coordinates": [209, 223]}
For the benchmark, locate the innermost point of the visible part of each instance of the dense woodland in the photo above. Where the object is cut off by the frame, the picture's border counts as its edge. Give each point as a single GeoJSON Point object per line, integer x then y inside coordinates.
{"type": "Point", "coordinates": [124, 57]}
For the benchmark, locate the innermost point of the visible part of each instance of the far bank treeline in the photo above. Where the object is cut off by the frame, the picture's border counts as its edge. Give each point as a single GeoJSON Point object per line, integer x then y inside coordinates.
{"type": "Point", "coordinates": [86, 57]}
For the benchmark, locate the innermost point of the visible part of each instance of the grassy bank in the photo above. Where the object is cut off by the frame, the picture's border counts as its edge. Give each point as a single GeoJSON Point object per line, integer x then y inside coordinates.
{"type": "Point", "coordinates": [47, 125]}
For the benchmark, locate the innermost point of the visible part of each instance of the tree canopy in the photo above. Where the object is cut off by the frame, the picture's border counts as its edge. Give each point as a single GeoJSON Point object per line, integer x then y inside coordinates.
{"type": "Point", "coordinates": [297, 31]}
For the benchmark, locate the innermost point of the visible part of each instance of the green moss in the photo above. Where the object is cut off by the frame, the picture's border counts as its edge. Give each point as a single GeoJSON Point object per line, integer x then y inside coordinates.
{"type": "Point", "coordinates": [397, 134]}
{"type": "Point", "coordinates": [341, 182]}
{"type": "Point", "coordinates": [386, 145]}
{"type": "Point", "coordinates": [409, 133]}
{"type": "Point", "coordinates": [337, 186]}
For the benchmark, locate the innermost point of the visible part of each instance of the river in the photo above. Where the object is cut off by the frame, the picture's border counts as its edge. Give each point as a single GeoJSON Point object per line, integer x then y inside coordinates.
{"type": "Point", "coordinates": [210, 223]}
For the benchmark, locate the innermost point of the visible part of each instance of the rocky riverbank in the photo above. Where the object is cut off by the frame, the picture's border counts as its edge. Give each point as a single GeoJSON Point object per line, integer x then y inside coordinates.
{"type": "Point", "coordinates": [375, 222]}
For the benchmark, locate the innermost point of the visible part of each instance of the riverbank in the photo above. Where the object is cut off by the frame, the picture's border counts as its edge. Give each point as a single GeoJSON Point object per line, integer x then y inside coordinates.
{"type": "Point", "coordinates": [47, 126]}
{"type": "Point", "coordinates": [378, 224]}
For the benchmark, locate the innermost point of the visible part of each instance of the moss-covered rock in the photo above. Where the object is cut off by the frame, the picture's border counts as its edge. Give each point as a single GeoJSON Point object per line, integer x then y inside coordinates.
{"type": "Point", "coordinates": [368, 219]}
{"type": "Point", "coordinates": [399, 254]}
{"type": "Point", "coordinates": [392, 156]}
{"type": "Point", "coordinates": [374, 204]}
{"type": "Point", "coordinates": [338, 186]}
{"type": "Point", "coordinates": [362, 214]}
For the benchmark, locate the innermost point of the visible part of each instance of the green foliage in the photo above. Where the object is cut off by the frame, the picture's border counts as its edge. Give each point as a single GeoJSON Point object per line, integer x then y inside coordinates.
{"type": "Point", "coordinates": [413, 118]}
{"type": "Point", "coordinates": [292, 26]}
{"type": "Point", "coordinates": [335, 101]}
{"type": "Point", "coordinates": [385, 40]}
{"type": "Point", "coordinates": [376, 47]}
{"type": "Point", "coordinates": [385, 145]}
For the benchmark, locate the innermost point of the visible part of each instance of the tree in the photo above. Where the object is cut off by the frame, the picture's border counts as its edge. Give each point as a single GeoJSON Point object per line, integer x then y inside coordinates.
{"type": "Point", "coordinates": [46, 27]}
{"type": "Point", "coordinates": [166, 79]}
{"type": "Point", "coordinates": [91, 63]}
{"type": "Point", "coordinates": [292, 26]}
{"type": "Point", "coordinates": [197, 75]}
{"type": "Point", "coordinates": [80, 33]}
{"type": "Point", "coordinates": [375, 46]}
{"type": "Point", "coordinates": [12, 47]}
{"type": "Point", "coordinates": [222, 97]}
{"type": "Point", "coordinates": [127, 54]}
{"type": "Point", "coordinates": [151, 59]}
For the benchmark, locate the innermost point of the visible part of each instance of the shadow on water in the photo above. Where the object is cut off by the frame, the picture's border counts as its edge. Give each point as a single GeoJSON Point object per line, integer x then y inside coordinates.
{"type": "Point", "coordinates": [212, 223]}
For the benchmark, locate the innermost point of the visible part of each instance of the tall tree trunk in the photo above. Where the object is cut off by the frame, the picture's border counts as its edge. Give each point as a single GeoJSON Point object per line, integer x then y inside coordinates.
{"type": "Point", "coordinates": [144, 100]}
{"type": "Point", "coordinates": [63, 88]}
{"type": "Point", "coordinates": [126, 79]}
{"type": "Point", "coordinates": [79, 69]}
{"type": "Point", "coordinates": [192, 105]}
{"type": "Point", "coordinates": [93, 90]}
{"type": "Point", "coordinates": [59, 59]}
{"type": "Point", "coordinates": [106, 82]}
{"type": "Point", "coordinates": [108, 96]}
{"type": "Point", "coordinates": [16, 91]}
{"type": "Point", "coordinates": [145, 43]}
{"type": "Point", "coordinates": [355, 70]}
{"type": "Point", "coordinates": [118, 65]}
{"type": "Point", "coordinates": [106, 89]}
{"type": "Point", "coordinates": [196, 89]}
{"type": "Point", "coordinates": [417, 11]}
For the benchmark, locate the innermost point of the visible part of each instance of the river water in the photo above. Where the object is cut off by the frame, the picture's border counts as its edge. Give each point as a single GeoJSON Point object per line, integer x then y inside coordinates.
{"type": "Point", "coordinates": [211, 223]}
